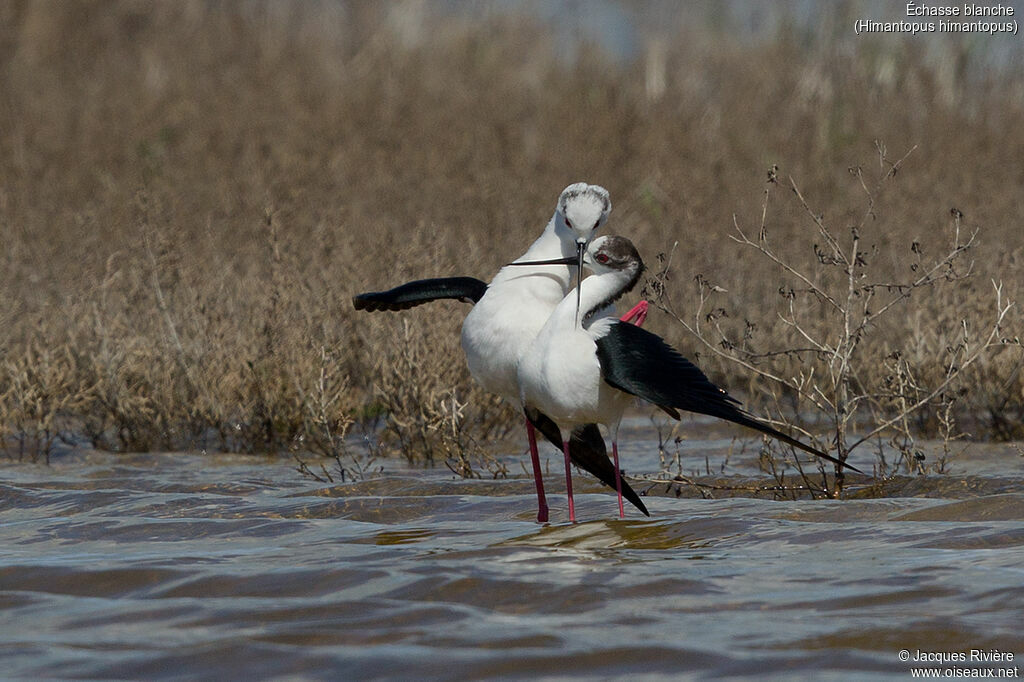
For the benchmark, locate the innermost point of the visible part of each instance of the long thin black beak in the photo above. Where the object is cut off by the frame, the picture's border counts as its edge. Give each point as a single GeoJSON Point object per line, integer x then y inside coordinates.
{"type": "Point", "coordinates": [581, 248]}
{"type": "Point", "coordinates": [570, 260]}
{"type": "Point", "coordinates": [577, 260]}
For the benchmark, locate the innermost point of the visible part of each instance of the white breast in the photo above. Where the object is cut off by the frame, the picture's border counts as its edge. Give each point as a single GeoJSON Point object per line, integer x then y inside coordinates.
{"type": "Point", "coordinates": [501, 326]}
{"type": "Point", "coordinates": [560, 376]}
{"type": "Point", "coordinates": [560, 373]}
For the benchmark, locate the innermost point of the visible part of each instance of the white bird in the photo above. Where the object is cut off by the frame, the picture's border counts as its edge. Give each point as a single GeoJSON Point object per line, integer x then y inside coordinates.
{"type": "Point", "coordinates": [510, 311]}
{"type": "Point", "coordinates": [585, 366]}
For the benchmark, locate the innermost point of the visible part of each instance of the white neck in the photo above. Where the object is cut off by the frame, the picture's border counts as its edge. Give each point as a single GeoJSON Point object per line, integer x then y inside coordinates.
{"type": "Point", "coordinates": [594, 290]}
{"type": "Point", "coordinates": [549, 245]}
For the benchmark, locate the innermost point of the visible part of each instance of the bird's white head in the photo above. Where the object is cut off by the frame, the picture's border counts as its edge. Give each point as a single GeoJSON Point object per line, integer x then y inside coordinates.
{"type": "Point", "coordinates": [613, 254]}
{"type": "Point", "coordinates": [582, 210]}
{"type": "Point", "coordinates": [617, 264]}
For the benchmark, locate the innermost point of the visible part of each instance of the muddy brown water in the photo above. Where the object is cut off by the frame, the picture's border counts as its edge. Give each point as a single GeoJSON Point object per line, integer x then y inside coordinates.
{"type": "Point", "coordinates": [228, 567]}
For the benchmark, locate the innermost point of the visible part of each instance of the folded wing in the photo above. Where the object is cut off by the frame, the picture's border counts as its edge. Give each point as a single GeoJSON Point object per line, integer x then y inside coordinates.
{"type": "Point", "coordinates": [640, 363]}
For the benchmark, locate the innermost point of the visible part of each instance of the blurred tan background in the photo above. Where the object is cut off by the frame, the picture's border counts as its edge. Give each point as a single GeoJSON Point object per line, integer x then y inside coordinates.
{"type": "Point", "coordinates": [191, 191]}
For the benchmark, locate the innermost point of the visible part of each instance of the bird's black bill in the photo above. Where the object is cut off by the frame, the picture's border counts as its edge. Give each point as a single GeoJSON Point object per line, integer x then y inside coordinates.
{"type": "Point", "coordinates": [577, 260]}
{"type": "Point", "coordinates": [581, 247]}
{"type": "Point", "coordinates": [569, 260]}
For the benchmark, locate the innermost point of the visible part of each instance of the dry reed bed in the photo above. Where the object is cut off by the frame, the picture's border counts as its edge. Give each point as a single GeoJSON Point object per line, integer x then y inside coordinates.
{"type": "Point", "coordinates": [191, 194]}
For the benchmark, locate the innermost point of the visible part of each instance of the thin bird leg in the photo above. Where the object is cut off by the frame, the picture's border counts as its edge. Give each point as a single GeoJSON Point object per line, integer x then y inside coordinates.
{"type": "Point", "coordinates": [618, 476]}
{"type": "Point", "coordinates": [542, 503]}
{"type": "Point", "coordinates": [568, 481]}
{"type": "Point", "coordinates": [637, 314]}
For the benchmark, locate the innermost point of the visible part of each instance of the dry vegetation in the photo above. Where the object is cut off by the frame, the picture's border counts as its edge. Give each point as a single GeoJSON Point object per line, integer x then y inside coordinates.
{"type": "Point", "coordinates": [190, 194]}
{"type": "Point", "coordinates": [838, 356]}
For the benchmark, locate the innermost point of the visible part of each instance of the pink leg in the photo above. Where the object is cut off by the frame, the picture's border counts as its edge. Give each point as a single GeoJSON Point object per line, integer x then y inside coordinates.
{"type": "Point", "coordinates": [637, 314]}
{"type": "Point", "coordinates": [568, 481]}
{"type": "Point", "coordinates": [618, 478]}
{"type": "Point", "coordinates": [542, 503]}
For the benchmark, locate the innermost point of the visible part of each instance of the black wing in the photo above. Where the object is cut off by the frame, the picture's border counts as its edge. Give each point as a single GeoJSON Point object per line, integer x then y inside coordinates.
{"type": "Point", "coordinates": [642, 364]}
{"type": "Point", "coordinates": [468, 289]}
{"type": "Point", "coordinates": [587, 451]}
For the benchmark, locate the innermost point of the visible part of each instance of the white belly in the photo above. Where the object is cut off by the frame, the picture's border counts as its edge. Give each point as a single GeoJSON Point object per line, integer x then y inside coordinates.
{"type": "Point", "coordinates": [501, 327]}
{"type": "Point", "coordinates": [564, 381]}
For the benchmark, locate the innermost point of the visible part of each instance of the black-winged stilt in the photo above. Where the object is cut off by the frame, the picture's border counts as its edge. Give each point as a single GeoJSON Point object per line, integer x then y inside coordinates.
{"type": "Point", "coordinates": [585, 366]}
{"type": "Point", "coordinates": [510, 311]}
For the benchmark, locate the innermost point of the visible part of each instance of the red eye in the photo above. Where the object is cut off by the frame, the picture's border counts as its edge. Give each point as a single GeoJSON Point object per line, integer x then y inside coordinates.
{"type": "Point", "coordinates": [601, 258]}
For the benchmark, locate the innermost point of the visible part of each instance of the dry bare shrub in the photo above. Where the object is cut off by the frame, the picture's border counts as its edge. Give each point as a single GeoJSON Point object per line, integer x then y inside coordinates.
{"type": "Point", "coordinates": [327, 419]}
{"type": "Point", "coordinates": [432, 410]}
{"type": "Point", "coordinates": [830, 365]}
{"type": "Point", "coordinates": [37, 396]}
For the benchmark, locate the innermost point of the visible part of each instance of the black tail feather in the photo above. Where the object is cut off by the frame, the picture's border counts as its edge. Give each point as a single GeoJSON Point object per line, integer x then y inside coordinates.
{"type": "Point", "coordinates": [737, 417]}
{"type": "Point", "coordinates": [421, 291]}
{"type": "Point", "coordinates": [587, 451]}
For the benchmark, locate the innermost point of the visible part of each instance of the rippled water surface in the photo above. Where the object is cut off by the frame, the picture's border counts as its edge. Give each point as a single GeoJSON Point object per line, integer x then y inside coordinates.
{"type": "Point", "coordinates": [237, 567]}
